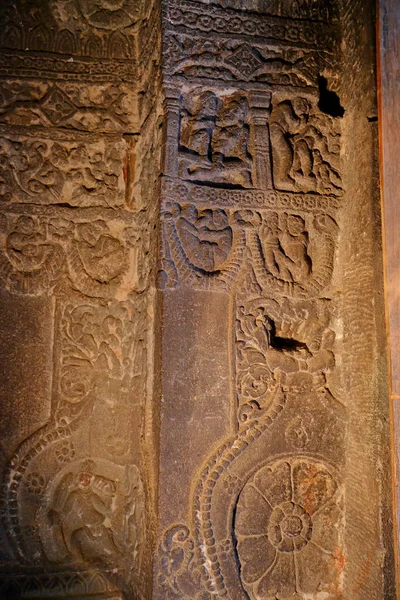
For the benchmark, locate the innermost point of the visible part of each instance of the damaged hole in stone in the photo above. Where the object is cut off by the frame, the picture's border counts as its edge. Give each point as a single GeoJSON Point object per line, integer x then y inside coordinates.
{"type": "Point", "coordinates": [280, 343]}
{"type": "Point", "coordinates": [372, 119]}
{"type": "Point", "coordinates": [329, 102]}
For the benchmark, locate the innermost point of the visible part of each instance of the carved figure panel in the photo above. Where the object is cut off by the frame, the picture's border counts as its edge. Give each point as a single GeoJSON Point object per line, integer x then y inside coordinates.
{"type": "Point", "coordinates": [103, 258]}
{"type": "Point", "coordinates": [93, 512]}
{"type": "Point", "coordinates": [72, 497]}
{"type": "Point", "coordinates": [305, 148]}
{"type": "Point", "coordinates": [214, 139]}
{"type": "Point", "coordinates": [201, 247]}
{"type": "Point", "coordinates": [291, 254]}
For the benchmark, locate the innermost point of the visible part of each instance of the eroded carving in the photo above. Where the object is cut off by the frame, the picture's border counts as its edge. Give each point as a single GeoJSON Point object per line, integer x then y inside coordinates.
{"type": "Point", "coordinates": [305, 149]}
{"type": "Point", "coordinates": [289, 517]}
{"type": "Point", "coordinates": [101, 107]}
{"type": "Point", "coordinates": [103, 258]}
{"type": "Point", "coordinates": [203, 246]}
{"type": "Point", "coordinates": [214, 138]}
{"type": "Point", "coordinates": [292, 66]}
{"type": "Point", "coordinates": [93, 511]}
{"type": "Point", "coordinates": [289, 342]}
{"type": "Point", "coordinates": [292, 255]}
{"type": "Point", "coordinates": [295, 9]}
{"type": "Point", "coordinates": [179, 575]}
{"type": "Point", "coordinates": [46, 171]}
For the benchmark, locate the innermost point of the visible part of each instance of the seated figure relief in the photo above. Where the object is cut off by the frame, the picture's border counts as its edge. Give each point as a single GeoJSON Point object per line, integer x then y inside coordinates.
{"type": "Point", "coordinates": [286, 252]}
{"type": "Point", "coordinates": [305, 149]}
{"type": "Point", "coordinates": [214, 138]}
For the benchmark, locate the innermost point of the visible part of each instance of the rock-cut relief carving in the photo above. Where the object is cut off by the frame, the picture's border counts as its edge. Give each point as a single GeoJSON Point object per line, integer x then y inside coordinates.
{"type": "Point", "coordinates": [97, 13]}
{"type": "Point", "coordinates": [214, 139]}
{"type": "Point", "coordinates": [103, 258]}
{"type": "Point", "coordinates": [280, 65]}
{"type": "Point", "coordinates": [288, 529]}
{"type": "Point", "coordinates": [31, 261]}
{"type": "Point", "coordinates": [96, 355]}
{"type": "Point", "coordinates": [97, 260]}
{"type": "Point", "coordinates": [291, 254]}
{"type": "Point", "coordinates": [70, 105]}
{"type": "Point", "coordinates": [203, 247]}
{"type": "Point", "coordinates": [287, 341]}
{"type": "Point", "coordinates": [318, 10]}
{"type": "Point", "coordinates": [46, 172]}
{"type": "Point", "coordinates": [305, 149]}
{"type": "Point", "coordinates": [93, 510]}
{"type": "Point", "coordinates": [179, 568]}
{"type": "Point", "coordinates": [100, 353]}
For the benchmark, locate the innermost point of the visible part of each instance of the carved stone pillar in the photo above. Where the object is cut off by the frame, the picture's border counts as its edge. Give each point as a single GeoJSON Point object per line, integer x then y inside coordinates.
{"type": "Point", "coordinates": [79, 115]}
{"type": "Point", "coordinates": [193, 390]}
{"type": "Point", "coordinates": [272, 329]}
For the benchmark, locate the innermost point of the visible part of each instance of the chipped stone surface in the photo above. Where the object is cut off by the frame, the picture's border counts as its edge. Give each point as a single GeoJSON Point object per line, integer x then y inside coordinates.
{"type": "Point", "coordinates": [193, 399]}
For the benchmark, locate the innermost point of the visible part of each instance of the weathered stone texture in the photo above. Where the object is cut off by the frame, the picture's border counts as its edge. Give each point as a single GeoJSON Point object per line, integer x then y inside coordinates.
{"type": "Point", "coordinates": [80, 161]}
{"type": "Point", "coordinates": [193, 404]}
{"type": "Point", "coordinates": [269, 202]}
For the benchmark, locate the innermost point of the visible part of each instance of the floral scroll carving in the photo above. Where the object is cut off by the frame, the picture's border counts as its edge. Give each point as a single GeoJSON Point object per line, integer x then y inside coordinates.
{"type": "Point", "coordinates": [288, 341]}
{"type": "Point", "coordinates": [180, 569]}
{"type": "Point", "coordinates": [47, 172]}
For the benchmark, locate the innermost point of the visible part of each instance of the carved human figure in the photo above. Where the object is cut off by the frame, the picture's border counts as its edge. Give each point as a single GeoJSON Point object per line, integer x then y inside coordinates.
{"type": "Point", "coordinates": [83, 514]}
{"type": "Point", "coordinates": [197, 127]}
{"type": "Point", "coordinates": [214, 139]}
{"type": "Point", "coordinates": [33, 262]}
{"type": "Point", "coordinates": [303, 149]}
{"type": "Point", "coordinates": [206, 237]}
{"type": "Point", "coordinates": [286, 253]}
{"type": "Point", "coordinates": [93, 511]}
{"type": "Point", "coordinates": [97, 260]}
{"type": "Point", "coordinates": [231, 137]}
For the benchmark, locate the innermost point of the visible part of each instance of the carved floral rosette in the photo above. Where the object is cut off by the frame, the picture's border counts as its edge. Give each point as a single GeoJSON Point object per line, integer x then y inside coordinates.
{"type": "Point", "coordinates": [288, 529]}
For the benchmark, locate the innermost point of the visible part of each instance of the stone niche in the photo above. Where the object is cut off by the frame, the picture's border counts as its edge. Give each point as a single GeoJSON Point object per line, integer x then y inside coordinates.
{"type": "Point", "coordinates": [193, 390]}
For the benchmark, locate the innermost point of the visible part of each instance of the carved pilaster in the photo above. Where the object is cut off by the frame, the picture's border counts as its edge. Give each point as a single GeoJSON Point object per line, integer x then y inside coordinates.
{"type": "Point", "coordinates": [260, 108]}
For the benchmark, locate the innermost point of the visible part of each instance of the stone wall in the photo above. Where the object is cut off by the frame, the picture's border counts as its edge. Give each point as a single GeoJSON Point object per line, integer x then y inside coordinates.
{"type": "Point", "coordinates": [193, 391]}
{"type": "Point", "coordinates": [80, 163]}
